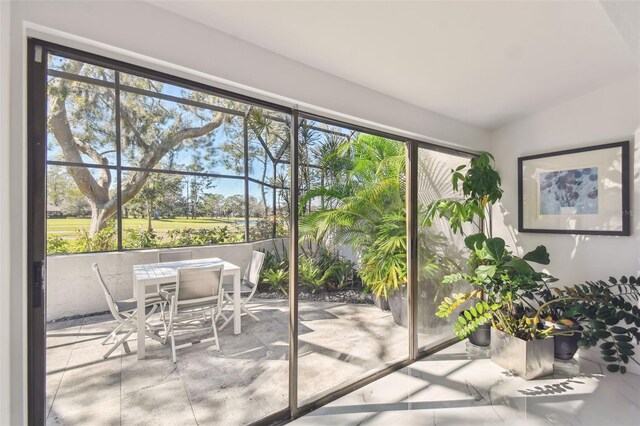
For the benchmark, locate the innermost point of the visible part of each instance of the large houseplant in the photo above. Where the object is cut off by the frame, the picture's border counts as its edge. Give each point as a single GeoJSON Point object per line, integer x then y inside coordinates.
{"type": "Point", "coordinates": [478, 186]}
{"type": "Point", "coordinates": [506, 283]}
{"type": "Point", "coordinates": [516, 300]}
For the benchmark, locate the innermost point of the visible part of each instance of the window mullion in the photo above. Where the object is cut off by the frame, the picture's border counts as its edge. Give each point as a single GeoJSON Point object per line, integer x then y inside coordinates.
{"type": "Point", "coordinates": [118, 161]}
{"type": "Point", "coordinates": [245, 131]}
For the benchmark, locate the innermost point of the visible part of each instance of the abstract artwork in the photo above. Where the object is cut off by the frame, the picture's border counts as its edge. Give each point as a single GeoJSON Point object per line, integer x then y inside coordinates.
{"type": "Point", "coordinates": [576, 191]}
{"type": "Point", "coordinates": [569, 191]}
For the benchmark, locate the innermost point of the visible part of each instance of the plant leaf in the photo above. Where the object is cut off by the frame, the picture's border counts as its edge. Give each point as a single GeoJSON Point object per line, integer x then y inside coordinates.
{"type": "Point", "coordinates": [474, 241]}
{"type": "Point", "coordinates": [486, 270]}
{"type": "Point", "coordinates": [495, 248]}
{"type": "Point", "coordinates": [520, 266]}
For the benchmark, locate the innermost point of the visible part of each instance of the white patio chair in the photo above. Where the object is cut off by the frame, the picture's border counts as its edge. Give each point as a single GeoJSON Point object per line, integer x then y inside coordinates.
{"type": "Point", "coordinates": [198, 291]}
{"type": "Point", "coordinates": [166, 290]}
{"type": "Point", "coordinates": [125, 312]}
{"type": "Point", "coordinates": [172, 256]}
{"type": "Point", "coordinates": [248, 288]}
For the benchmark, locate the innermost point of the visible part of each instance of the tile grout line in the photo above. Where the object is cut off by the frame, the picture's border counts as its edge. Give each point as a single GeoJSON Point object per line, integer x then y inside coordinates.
{"type": "Point", "coordinates": [121, 386]}
{"type": "Point", "coordinates": [193, 413]}
{"type": "Point", "coordinates": [55, 394]}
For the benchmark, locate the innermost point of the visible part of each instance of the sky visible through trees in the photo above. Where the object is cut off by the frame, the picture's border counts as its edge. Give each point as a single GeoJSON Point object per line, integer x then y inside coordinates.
{"type": "Point", "coordinates": [182, 151]}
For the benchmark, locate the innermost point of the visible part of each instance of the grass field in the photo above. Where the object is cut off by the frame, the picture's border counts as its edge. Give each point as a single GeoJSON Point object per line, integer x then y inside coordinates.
{"type": "Point", "coordinates": [66, 227]}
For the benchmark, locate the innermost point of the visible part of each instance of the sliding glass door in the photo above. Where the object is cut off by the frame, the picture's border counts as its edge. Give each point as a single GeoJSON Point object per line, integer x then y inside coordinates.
{"type": "Point", "coordinates": [139, 164]}
{"type": "Point", "coordinates": [127, 162]}
{"type": "Point", "coordinates": [439, 251]}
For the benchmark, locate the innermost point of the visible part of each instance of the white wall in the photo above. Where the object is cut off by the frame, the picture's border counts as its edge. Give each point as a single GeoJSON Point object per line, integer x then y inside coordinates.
{"type": "Point", "coordinates": [145, 35]}
{"type": "Point", "coordinates": [151, 36]}
{"type": "Point", "coordinates": [609, 114]}
{"type": "Point", "coordinates": [72, 287]}
{"type": "Point", "coordinates": [5, 224]}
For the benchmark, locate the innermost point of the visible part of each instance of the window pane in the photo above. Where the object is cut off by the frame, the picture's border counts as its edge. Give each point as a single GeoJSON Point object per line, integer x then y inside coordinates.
{"type": "Point", "coordinates": [260, 164]}
{"type": "Point", "coordinates": [352, 247]}
{"type": "Point", "coordinates": [85, 69]}
{"type": "Point", "coordinates": [131, 82]}
{"type": "Point", "coordinates": [261, 214]}
{"type": "Point", "coordinates": [440, 252]}
{"type": "Point", "coordinates": [81, 210]}
{"type": "Point", "coordinates": [167, 135]}
{"type": "Point", "coordinates": [172, 210]}
{"type": "Point", "coordinates": [81, 120]}
{"type": "Point", "coordinates": [269, 135]}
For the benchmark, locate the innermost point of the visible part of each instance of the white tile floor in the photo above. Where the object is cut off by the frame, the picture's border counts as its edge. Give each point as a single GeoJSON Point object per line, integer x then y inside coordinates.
{"type": "Point", "coordinates": [463, 387]}
{"type": "Point", "coordinates": [243, 382]}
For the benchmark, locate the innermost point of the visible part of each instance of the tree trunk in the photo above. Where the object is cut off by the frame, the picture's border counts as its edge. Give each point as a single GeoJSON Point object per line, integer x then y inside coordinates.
{"type": "Point", "coordinates": [98, 219]}
{"type": "Point", "coordinates": [149, 213]}
{"type": "Point", "coordinates": [264, 177]}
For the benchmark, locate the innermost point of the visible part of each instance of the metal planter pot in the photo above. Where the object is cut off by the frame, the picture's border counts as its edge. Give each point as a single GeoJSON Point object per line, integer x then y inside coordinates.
{"type": "Point", "coordinates": [528, 359]}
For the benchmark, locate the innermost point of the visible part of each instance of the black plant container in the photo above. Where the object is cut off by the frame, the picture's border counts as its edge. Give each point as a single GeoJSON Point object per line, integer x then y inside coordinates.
{"type": "Point", "coordinates": [381, 303]}
{"type": "Point", "coordinates": [482, 336]}
{"type": "Point", "coordinates": [566, 346]}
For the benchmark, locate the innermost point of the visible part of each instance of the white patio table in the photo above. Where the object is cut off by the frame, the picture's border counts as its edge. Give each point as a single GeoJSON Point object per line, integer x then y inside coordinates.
{"type": "Point", "coordinates": [153, 274]}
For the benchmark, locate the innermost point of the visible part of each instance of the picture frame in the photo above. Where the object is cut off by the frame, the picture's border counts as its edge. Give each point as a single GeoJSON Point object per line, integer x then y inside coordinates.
{"type": "Point", "coordinates": [576, 191]}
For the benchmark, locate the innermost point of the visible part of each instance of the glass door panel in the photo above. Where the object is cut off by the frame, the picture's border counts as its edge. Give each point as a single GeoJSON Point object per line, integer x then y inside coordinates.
{"type": "Point", "coordinates": [352, 248]}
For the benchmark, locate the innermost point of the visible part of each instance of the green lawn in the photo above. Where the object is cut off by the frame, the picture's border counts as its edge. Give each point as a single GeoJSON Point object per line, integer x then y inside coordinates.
{"type": "Point", "coordinates": [66, 227]}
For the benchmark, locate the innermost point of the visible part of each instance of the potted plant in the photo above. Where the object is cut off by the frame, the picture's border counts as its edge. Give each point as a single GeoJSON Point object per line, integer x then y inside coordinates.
{"type": "Point", "coordinates": [479, 183]}
{"type": "Point", "coordinates": [607, 313]}
{"type": "Point", "coordinates": [566, 326]}
{"type": "Point", "coordinates": [519, 341]}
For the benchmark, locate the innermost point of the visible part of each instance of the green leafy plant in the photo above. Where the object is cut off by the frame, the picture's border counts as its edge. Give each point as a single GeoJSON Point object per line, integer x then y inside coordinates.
{"type": "Point", "coordinates": [607, 311]}
{"type": "Point", "coordinates": [204, 236]}
{"type": "Point", "coordinates": [140, 238]}
{"type": "Point", "coordinates": [383, 265]}
{"type": "Point", "coordinates": [310, 274]}
{"type": "Point", "coordinates": [480, 186]}
{"type": "Point", "coordinates": [363, 207]}
{"type": "Point", "coordinates": [276, 279]}
{"type": "Point", "coordinates": [56, 245]}
{"type": "Point", "coordinates": [506, 282]}
{"type": "Point", "coordinates": [103, 240]}
{"type": "Point", "coordinates": [275, 270]}
{"type": "Point", "coordinates": [261, 230]}
{"type": "Point", "coordinates": [337, 271]}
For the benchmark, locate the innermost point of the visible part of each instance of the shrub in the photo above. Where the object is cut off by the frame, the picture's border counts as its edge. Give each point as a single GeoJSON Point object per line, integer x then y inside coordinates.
{"type": "Point", "coordinates": [310, 274]}
{"type": "Point", "coordinates": [275, 270]}
{"type": "Point", "coordinates": [56, 245]}
{"type": "Point", "coordinates": [276, 279]}
{"type": "Point", "coordinates": [103, 240]}
{"type": "Point", "coordinates": [337, 271]}
{"type": "Point", "coordinates": [141, 238]}
{"type": "Point", "coordinates": [204, 236]}
{"type": "Point", "coordinates": [262, 230]}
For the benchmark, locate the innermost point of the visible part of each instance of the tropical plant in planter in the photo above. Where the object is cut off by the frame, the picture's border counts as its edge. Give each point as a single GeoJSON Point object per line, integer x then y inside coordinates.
{"type": "Point", "coordinates": [506, 283]}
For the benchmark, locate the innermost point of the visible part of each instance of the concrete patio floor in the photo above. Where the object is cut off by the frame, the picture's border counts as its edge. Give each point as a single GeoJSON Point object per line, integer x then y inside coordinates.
{"type": "Point", "coordinates": [243, 382]}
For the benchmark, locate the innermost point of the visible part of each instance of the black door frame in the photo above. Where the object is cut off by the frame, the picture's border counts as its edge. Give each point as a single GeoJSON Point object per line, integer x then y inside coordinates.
{"type": "Point", "coordinates": [36, 234]}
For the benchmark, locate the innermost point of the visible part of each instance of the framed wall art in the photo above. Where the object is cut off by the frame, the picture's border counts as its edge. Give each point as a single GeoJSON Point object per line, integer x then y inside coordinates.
{"type": "Point", "coordinates": [577, 191]}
